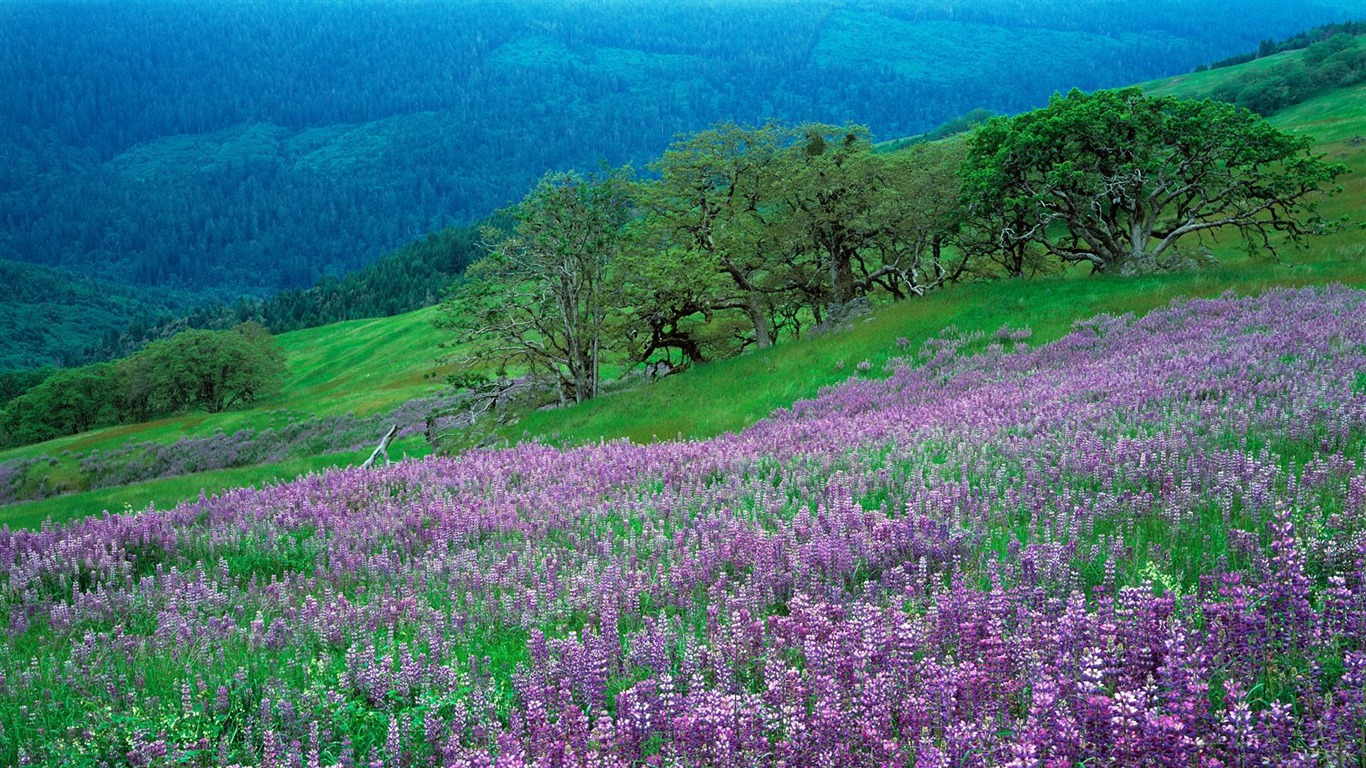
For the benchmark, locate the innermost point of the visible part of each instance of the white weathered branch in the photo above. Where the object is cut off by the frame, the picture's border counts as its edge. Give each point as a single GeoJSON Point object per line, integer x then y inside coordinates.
{"type": "Point", "coordinates": [382, 448]}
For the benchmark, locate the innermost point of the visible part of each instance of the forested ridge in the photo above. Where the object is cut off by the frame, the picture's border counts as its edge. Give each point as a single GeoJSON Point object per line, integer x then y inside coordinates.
{"type": "Point", "coordinates": [240, 149]}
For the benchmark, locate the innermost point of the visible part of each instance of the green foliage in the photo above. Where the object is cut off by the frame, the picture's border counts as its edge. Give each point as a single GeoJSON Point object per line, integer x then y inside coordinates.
{"type": "Point", "coordinates": [69, 401]}
{"type": "Point", "coordinates": [15, 383]}
{"type": "Point", "coordinates": [792, 221]}
{"type": "Point", "coordinates": [1335, 62]}
{"type": "Point", "coordinates": [539, 301]}
{"type": "Point", "coordinates": [53, 317]}
{"type": "Point", "coordinates": [1118, 180]}
{"type": "Point", "coordinates": [786, 228]}
{"type": "Point", "coordinates": [208, 370]}
{"type": "Point", "coordinates": [674, 301]}
{"type": "Point", "coordinates": [212, 371]}
{"type": "Point", "coordinates": [773, 227]}
{"type": "Point", "coordinates": [918, 216]}
{"type": "Point", "coordinates": [830, 187]}
{"type": "Point", "coordinates": [710, 211]}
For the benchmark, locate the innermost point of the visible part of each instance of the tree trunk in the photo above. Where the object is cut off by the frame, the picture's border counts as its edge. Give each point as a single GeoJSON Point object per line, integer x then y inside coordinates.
{"type": "Point", "coordinates": [762, 336]}
{"type": "Point", "coordinates": [580, 379]}
{"type": "Point", "coordinates": [1140, 261]}
{"type": "Point", "coordinates": [841, 275]}
{"type": "Point", "coordinates": [753, 306]}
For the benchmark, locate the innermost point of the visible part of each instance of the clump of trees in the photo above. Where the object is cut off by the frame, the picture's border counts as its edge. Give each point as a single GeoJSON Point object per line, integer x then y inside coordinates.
{"type": "Point", "coordinates": [1297, 42]}
{"type": "Point", "coordinates": [740, 236]}
{"type": "Point", "coordinates": [743, 236]}
{"type": "Point", "coordinates": [15, 383]}
{"type": "Point", "coordinates": [206, 370]}
{"type": "Point", "coordinates": [1334, 62]}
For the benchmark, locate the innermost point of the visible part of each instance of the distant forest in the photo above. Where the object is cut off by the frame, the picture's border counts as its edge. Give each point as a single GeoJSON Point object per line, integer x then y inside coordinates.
{"type": "Point", "coordinates": [229, 149]}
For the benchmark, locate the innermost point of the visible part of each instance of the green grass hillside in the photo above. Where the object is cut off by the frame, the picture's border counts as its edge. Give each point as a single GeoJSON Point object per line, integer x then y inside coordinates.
{"type": "Point", "coordinates": [367, 367]}
{"type": "Point", "coordinates": [361, 367]}
{"type": "Point", "coordinates": [1199, 85]}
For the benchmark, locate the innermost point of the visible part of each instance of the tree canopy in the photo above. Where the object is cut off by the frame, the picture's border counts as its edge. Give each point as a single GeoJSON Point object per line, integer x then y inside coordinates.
{"type": "Point", "coordinates": [213, 371]}
{"type": "Point", "coordinates": [1122, 181]}
{"type": "Point", "coordinates": [539, 299]}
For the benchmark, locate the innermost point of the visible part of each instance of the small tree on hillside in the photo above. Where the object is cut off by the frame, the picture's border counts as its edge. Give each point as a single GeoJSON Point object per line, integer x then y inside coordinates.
{"type": "Point", "coordinates": [539, 300]}
{"type": "Point", "coordinates": [1118, 179]}
{"type": "Point", "coordinates": [213, 370]}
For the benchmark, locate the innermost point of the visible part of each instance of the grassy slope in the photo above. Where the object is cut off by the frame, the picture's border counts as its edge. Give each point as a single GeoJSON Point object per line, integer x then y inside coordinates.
{"type": "Point", "coordinates": [368, 366]}
{"type": "Point", "coordinates": [1199, 85]}
{"type": "Point", "coordinates": [361, 367]}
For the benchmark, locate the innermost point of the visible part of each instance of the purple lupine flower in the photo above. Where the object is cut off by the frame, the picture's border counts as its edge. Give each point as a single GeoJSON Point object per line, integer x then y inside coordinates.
{"type": "Point", "coordinates": [1130, 546]}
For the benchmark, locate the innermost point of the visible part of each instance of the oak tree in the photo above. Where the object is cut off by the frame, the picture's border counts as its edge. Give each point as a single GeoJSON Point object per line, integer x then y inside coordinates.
{"type": "Point", "coordinates": [539, 301]}
{"type": "Point", "coordinates": [1120, 180]}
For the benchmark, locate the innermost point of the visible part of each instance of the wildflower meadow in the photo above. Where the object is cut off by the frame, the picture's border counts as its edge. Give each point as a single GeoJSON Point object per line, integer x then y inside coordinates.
{"type": "Point", "coordinates": [1141, 545]}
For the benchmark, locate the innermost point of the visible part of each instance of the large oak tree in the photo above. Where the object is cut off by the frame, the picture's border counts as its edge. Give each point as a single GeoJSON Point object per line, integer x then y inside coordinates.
{"type": "Point", "coordinates": [1121, 180]}
{"type": "Point", "coordinates": [713, 199]}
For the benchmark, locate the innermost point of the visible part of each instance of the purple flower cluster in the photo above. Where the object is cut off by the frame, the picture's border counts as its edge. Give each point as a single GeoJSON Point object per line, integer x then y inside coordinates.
{"type": "Point", "coordinates": [18, 481]}
{"type": "Point", "coordinates": [13, 473]}
{"type": "Point", "coordinates": [1144, 544]}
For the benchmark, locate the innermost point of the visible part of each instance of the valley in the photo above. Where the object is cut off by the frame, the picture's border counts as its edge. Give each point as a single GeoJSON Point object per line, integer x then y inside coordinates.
{"type": "Point", "coordinates": [669, 487]}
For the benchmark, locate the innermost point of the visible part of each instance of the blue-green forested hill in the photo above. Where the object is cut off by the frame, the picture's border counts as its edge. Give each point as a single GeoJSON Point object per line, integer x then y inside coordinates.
{"type": "Point", "coordinates": [51, 317]}
{"type": "Point", "coordinates": [241, 148]}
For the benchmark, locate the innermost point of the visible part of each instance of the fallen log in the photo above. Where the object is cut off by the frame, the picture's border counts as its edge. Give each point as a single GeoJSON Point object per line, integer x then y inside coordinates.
{"type": "Point", "coordinates": [382, 448]}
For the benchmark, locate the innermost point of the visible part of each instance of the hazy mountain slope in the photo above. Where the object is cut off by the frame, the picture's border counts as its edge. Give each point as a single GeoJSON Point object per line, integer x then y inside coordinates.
{"type": "Point", "coordinates": [235, 147]}
{"type": "Point", "coordinates": [50, 316]}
